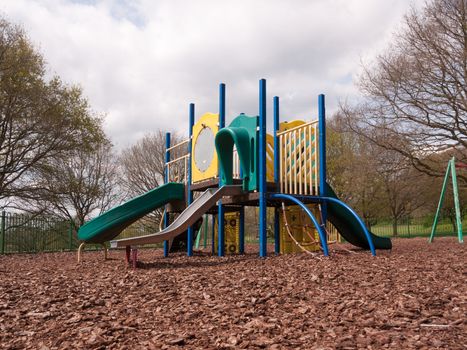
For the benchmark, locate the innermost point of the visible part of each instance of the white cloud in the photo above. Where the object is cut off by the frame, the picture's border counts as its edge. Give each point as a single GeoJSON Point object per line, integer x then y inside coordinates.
{"type": "Point", "coordinates": [143, 62]}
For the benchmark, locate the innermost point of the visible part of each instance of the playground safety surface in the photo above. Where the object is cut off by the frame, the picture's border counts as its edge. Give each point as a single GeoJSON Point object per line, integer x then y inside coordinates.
{"type": "Point", "coordinates": [412, 298]}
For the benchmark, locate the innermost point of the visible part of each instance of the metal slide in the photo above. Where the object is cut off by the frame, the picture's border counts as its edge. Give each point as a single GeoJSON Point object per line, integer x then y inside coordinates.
{"type": "Point", "coordinates": [349, 227]}
{"type": "Point", "coordinates": [109, 225]}
{"type": "Point", "coordinates": [186, 219]}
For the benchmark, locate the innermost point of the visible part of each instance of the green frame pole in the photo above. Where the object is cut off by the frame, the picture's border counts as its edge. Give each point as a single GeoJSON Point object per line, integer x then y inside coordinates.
{"type": "Point", "coordinates": [451, 169]}
{"type": "Point", "coordinates": [2, 233]}
{"type": "Point", "coordinates": [198, 237]}
{"type": "Point", "coordinates": [70, 236]}
{"type": "Point", "coordinates": [205, 237]}
{"type": "Point", "coordinates": [455, 192]}
{"type": "Point", "coordinates": [201, 229]}
{"type": "Point", "coordinates": [440, 203]}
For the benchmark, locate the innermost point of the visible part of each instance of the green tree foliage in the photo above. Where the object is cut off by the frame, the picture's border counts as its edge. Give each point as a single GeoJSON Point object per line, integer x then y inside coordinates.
{"type": "Point", "coordinates": [41, 119]}
{"type": "Point", "coordinates": [352, 171]}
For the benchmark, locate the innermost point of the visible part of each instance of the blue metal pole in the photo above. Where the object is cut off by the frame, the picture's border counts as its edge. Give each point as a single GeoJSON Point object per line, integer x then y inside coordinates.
{"type": "Point", "coordinates": [189, 244]}
{"type": "Point", "coordinates": [241, 231]}
{"type": "Point", "coordinates": [322, 155]}
{"type": "Point", "coordinates": [276, 173]}
{"type": "Point", "coordinates": [221, 106]}
{"type": "Point", "coordinates": [166, 180]}
{"type": "Point", "coordinates": [220, 217]}
{"type": "Point", "coordinates": [262, 170]}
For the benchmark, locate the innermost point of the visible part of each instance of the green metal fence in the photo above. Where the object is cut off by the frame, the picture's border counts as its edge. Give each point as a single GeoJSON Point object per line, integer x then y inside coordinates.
{"type": "Point", "coordinates": [21, 233]}
{"type": "Point", "coordinates": [415, 227]}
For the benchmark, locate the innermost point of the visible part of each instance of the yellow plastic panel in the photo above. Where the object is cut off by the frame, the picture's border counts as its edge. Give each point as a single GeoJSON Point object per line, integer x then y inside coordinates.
{"type": "Point", "coordinates": [302, 230]}
{"type": "Point", "coordinates": [207, 123]}
{"type": "Point", "coordinates": [269, 158]}
{"type": "Point", "coordinates": [231, 232]}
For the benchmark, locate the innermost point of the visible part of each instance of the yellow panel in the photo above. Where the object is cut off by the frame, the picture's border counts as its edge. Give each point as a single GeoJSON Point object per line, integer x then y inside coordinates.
{"type": "Point", "coordinates": [310, 237]}
{"type": "Point", "coordinates": [208, 120]}
{"type": "Point", "coordinates": [269, 158]}
{"type": "Point", "coordinates": [302, 229]}
{"type": "Point", "coordinates": [231, 232]}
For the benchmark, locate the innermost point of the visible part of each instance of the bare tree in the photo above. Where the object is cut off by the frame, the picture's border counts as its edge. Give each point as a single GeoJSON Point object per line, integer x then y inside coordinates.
{"type": "Point", "coordinates": [379, 183]}
{"type": "Point", "coordinates": [79, 185]}
{"type": "Point", "coordinates": [417, 90]}
{"type": "Point", "coordinates": [142, 167]}
{"type": "Point", "coordinates": [403, 186]}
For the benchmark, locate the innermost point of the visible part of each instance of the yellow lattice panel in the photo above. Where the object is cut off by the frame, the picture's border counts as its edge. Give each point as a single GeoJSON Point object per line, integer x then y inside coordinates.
{"type": "Point", "coordinates": [231, 233]}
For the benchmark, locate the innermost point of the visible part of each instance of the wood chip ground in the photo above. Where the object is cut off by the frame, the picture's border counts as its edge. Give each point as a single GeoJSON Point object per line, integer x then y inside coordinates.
{"type": "Point", "coordinates": [414, 297]}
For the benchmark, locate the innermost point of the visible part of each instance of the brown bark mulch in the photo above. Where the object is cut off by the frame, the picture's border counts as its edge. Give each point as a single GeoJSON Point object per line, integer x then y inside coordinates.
{"type": "Point", "coordinates": [414, 297]}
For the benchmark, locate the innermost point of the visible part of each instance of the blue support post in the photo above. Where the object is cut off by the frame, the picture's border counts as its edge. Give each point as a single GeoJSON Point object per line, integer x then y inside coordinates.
{"type": "Point", "coordinates": [322, 156]}
{"type": "Point", "coordinates": [262, 170]}
{"type": "Point", "coordinates": [241, 231]}
{"type": "Point", "coordinates": [189, 245]}
{"type": "Point", "coordinates": [166, 179]}
{"type": "Point", "coordinates": [276, 174]}
{"type": "Point", "coordinates": [220, 215]}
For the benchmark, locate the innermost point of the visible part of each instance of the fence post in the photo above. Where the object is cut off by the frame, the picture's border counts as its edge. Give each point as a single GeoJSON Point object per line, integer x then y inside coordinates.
{"type": "Point", "coordinates": [70, 236]}
{"type": "Point", "coordinates": [2, 233]}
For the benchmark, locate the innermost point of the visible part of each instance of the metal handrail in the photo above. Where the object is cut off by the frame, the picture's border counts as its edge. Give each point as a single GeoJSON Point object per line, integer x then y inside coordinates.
{"type": "Point", "coordinates": [177, 159]}
{"type": "Point", "coordinates": [177, 145]}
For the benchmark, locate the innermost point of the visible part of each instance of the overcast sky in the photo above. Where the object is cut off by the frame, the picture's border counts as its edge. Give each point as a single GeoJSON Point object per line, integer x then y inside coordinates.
{"type": "Point", "coordinates": [142, 62]}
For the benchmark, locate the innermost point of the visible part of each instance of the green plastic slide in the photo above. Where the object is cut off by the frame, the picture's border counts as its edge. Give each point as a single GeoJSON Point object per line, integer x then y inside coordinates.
{"type": "Point", "coordinates": [349, 227]}
{"type": "Point", "coordinates": [109, 225]}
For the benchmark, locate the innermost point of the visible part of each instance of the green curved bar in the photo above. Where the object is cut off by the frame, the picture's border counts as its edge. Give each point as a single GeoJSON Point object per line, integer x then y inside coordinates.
{"type": "Point", "coordinates": [111, 223]}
